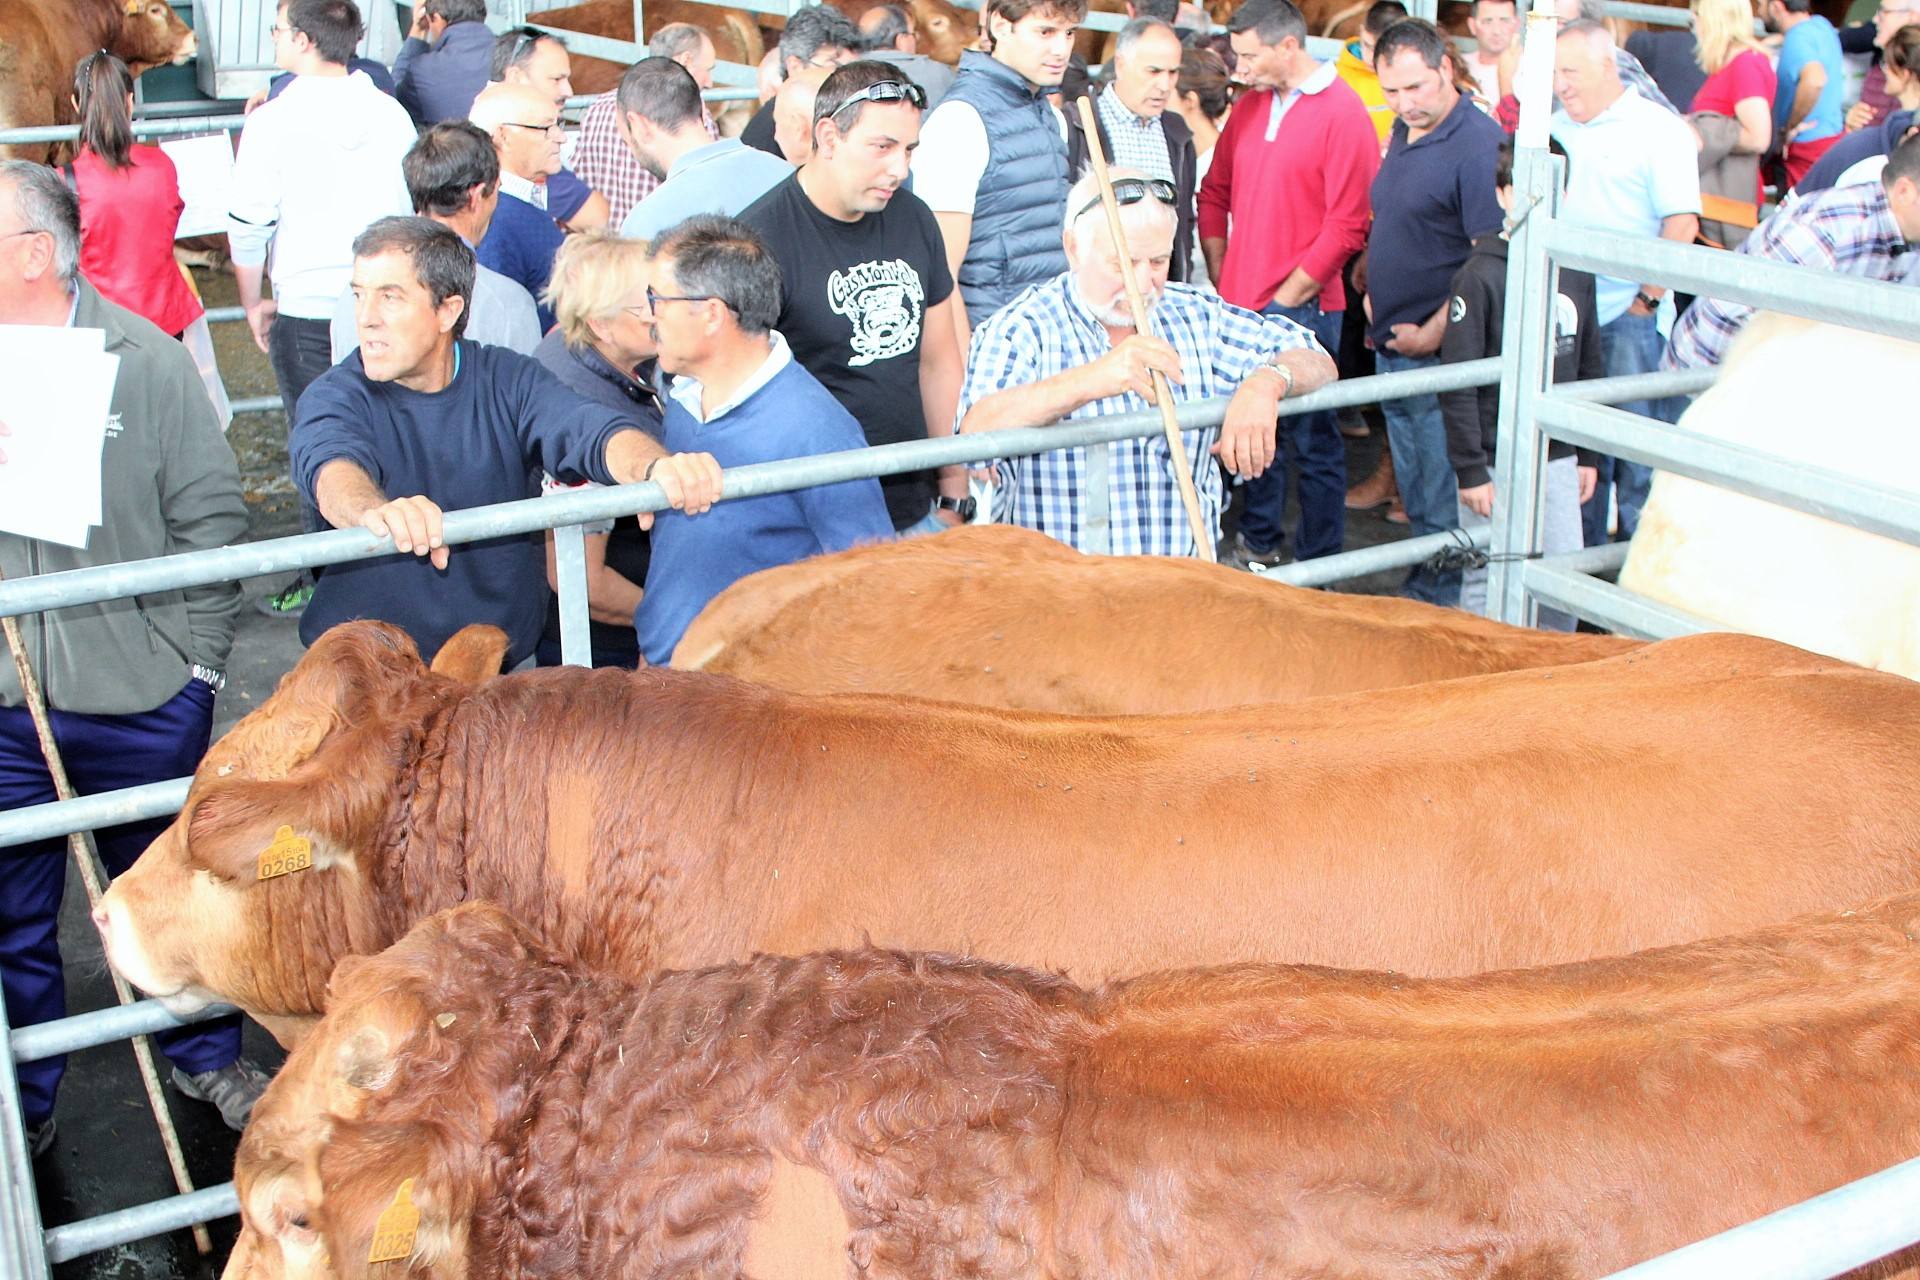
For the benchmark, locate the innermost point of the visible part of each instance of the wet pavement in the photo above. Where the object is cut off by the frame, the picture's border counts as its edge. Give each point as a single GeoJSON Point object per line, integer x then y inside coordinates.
{"type": "Point", "coordinates": [108, 1154]}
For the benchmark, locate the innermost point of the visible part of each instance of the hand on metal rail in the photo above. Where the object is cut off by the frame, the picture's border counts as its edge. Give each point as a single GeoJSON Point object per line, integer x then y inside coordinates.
{"type": "Point", "coordinates": [1246, 441]}
{"type": "Point", "coordinates": [691, 482]}
{"type": "Point", "coordinates": [413, 524]}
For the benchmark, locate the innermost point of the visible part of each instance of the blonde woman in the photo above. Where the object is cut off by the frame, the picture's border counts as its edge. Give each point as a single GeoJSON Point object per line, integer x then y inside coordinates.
{"type": "Point", "coordinates": [1733, 115]}
{"type": "Point", "coordinates": [601, 347]}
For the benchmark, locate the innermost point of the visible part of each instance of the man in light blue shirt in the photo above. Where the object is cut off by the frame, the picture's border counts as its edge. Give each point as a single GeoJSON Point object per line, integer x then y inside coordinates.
{"type": "Point", "coordinates": [1632, 169]}
{"type": "Point", "coordinates": [658, 105]}
{"type": "Point", "coordinates": [1808, 102]}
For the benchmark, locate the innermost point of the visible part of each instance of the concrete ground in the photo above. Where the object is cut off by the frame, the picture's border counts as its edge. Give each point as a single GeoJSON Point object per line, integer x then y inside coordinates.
{"type": "Point", "coordinates": [108, 1155]}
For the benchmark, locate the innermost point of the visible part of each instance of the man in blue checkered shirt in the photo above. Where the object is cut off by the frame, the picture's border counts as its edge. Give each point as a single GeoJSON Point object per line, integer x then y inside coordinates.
{"type": "Point", "coordinates": [1066, 350]}
{"type": "Point", "coordinates": [1862, 230]}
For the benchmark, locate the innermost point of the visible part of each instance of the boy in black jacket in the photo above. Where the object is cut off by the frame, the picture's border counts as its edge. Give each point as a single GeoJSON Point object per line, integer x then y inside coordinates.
{"type": "Point", "coordinates": [1474, 320]}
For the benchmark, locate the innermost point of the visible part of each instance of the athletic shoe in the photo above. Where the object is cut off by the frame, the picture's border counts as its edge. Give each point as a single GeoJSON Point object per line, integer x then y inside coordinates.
{"type": "Point", "coordinates": [233, 1088]}
{"type": "Point", "coordinates": [288, 602]}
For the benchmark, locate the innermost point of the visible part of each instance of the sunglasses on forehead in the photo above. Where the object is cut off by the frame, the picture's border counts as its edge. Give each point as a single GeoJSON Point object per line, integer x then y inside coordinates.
{"type": "Point", "coordinates": [1128, 191]}
{"type": "Point", "coordinates": [885, 91]}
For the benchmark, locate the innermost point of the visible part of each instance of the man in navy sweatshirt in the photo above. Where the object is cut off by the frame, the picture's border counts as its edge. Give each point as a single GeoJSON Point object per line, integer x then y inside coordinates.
{"type": "Point", "coordinates": [447, 423]}
{"type": "Point", "coordinates": [739, 395]}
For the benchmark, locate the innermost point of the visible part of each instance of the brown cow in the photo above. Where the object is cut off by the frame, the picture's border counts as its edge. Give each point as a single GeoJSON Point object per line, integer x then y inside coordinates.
{"type": "Point", "coordinates": [912, 1117]}
{"type": "Point", "coordinates": [1006, 617]}
{"type": "Point", "coordinates": [735, 36]}
{"type": "Point", "coordinates": [42, 41]}
{"type": "Point", "coordinates": [667, 818]}
{"type": "Point", "coordinates": [943, 28]}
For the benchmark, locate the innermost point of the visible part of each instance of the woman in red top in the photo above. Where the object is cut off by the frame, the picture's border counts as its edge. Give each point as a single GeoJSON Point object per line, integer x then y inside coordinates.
{"type": "Point", "coordinates": [1740, 79]}
{"type": "Point", "coordinates": [129, 202]}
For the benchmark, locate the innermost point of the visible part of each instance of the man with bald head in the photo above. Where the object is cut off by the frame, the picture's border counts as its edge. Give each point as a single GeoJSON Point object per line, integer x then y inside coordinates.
{"type": "Point", "coordinates": [793, 114]}
{"type": "Point", "coordinates": [1632, 169]}
{"type": "Point", "coordinates": [524, 123]}
{"type": "Point", "coordinates": [890, 38]}
{"type": "Point", "coordinates": [1066, 350]}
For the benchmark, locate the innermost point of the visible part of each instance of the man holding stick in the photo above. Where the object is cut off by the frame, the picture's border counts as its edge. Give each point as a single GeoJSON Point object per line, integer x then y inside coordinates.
{"type": "Point", "coordinates": [1068, 350]}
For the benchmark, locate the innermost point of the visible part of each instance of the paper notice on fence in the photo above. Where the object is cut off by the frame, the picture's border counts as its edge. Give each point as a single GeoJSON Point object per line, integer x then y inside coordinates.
{"type": "Point", "coordinates": [56, 392]}
{"type": "Point", "coordinates": [204, 167]}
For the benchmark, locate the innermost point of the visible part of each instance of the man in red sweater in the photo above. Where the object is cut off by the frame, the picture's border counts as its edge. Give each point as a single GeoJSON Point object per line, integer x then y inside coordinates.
{"type": "Point", "coordinates": [1282, 209]}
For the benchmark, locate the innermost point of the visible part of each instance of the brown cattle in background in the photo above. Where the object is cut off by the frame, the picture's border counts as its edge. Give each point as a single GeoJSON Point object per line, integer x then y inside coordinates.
{"type": "Point", "coordinates": [42, 41]}
{"type": "Point", "coordinates": [943, 28]}
{"type": "Point", "coordinates": [667, 818]}
{"type": "Point", "coordinates": [1003, 617]}
{"type": "Point", "coordinates": [913, 1117]}
{"type": "Point", "coordinates": [735, 35]}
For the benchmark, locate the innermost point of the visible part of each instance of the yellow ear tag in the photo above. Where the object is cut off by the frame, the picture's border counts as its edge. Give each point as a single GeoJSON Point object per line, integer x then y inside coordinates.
{"type": "Point", "coordinates": [287, 854]}
{"type": "Point", "coordinates": [133, 7]}
{"type": "Point", "coordinates": [393, 1234]}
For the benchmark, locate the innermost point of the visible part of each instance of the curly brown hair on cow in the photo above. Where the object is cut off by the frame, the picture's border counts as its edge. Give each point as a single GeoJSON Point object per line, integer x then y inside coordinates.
{"type": "Point", "coordinates": [895, 1115]}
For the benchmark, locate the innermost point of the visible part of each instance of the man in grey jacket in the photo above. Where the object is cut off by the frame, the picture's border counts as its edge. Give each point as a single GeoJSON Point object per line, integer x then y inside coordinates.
{"type": "Point", "coordinates": [130, 682]}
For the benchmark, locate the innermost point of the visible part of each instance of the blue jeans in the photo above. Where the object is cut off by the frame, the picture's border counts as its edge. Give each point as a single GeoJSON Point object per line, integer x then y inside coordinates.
{"type": "Point", "coordinates": [1631, 344]}
{"type": "Point", "coordinates": [1428, 487]}
{"type": "Point", "coordinates": [928, 524]}
{"type": "Point", "coordinates": [102, 753]}
{"type": "Point", "coordinates": [1312, 443]}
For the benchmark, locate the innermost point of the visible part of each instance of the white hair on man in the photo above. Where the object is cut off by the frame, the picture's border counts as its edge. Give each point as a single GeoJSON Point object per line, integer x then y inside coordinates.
{"type": "Point", "coordinates": [1091, 238]}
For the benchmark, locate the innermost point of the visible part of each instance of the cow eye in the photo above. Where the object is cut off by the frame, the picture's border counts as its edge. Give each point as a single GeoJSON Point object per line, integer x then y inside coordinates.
{"type": "Point", "coordinates": [299, 1222]}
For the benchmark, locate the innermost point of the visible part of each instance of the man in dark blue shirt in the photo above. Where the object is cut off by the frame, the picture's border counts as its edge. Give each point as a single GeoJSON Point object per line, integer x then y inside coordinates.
{"type": "Point", "coordinates": [450, 424]}
{"type": "Point", "coordinates": [1432, 197]}
{"type": "Point", "coordinates": [445, 61]}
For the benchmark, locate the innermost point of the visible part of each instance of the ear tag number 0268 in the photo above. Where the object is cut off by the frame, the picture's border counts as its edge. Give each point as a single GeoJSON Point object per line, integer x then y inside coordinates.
{"type": "Point", "coordinates": [287, 854]}
{"type": "Point", "coordinates": [399, 1222]}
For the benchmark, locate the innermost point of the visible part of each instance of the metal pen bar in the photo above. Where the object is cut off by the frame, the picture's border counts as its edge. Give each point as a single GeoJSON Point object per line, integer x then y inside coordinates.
{"type": "Point", "coordinates": [91, 1235]}
{"type": "Point", "coordinates": [1888, 512]}
{"type": "Point", "coordinates": [1638, 386]}
{"type": "Point", "coordinates": [1892, 309]}
{"type": "Point", "coordinates": [570, 575]}
{"type": "Point", "coordinates": [58, 819]}
{"type": "Point", "coordinates": [102, 1026]}
{"type": "Point", "coordinates": [281, 555]}
{"type": "Point", "coordinates": [1555, 582]}
{"type": "Point", "coordinates": [21, 1253]}
{"type": "Point", "coordinates": [1828, 1235]}
{"type": "Point", "coordinates": [1389, 555]}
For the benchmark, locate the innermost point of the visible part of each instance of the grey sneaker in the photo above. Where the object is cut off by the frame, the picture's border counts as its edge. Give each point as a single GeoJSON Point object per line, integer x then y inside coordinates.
{"type": "Point", "coordinates": [1253, 561]}
{"type": "Point", "coordinates": [40, 1138]}
{"type": "Point", "coordinates": [233, 1088]}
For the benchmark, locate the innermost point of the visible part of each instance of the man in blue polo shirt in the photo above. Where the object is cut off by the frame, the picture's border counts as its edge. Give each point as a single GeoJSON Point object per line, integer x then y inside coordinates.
{"type": "Point", "coordinates": [660, 117]}
{"type": "Point", "coordinates": [1810, 96]}
{"type": "Point", "coordinates": [739, 395]}
{"type": "Point", "coordinates": [1433, 196]}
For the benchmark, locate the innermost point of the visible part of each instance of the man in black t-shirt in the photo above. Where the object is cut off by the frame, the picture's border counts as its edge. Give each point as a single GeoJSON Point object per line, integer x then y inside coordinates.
{"type": "Point", "coordinates": [868, 301]}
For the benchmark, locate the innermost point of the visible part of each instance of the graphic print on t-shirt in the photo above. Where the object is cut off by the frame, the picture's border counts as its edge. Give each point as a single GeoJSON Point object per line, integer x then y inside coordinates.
{"type": "Point", "coordinates": [884, 302]}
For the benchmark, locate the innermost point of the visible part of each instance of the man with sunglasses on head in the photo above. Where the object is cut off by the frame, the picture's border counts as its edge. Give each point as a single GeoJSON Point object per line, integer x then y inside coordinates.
{"type": "Point", "coordinates": [867, 301]}
{"type": "Point", "coordinates": [539, 60]}
{"type": "Point", "coordinates": [1067, 350]}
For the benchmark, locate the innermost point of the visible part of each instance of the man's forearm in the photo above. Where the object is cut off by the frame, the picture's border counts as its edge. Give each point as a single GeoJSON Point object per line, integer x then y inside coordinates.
{"type": "Point", "coordinates": [940, 376]}
{"type": "Point", "coordinates": [344, 492]}
{"type": "Point", "coordinates": [630, 453]}
{"type": "Point", "coordinates": [1311, 370]}
{"type": "Point", "coordinates": [1297, 290]}
{"type": "Point", "coordinates": [252, 281]}
{"type": "Point", "coordinates": [1035, 405]}
{"type": "Point", "coordinates": [1806, 96]}
{"type": "Point", "coordinates": [1214, 250]}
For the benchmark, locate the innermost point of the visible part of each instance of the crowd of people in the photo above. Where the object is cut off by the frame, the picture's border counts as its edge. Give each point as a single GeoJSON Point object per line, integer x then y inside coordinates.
{"type": "Point", "coordinates": [469, 306]}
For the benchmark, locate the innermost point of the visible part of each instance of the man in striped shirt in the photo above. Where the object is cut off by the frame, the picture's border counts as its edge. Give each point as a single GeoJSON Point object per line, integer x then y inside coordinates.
{"type": "Point", "coordinates": [1066, 350]}
{"type": "Point", "coordinates": [1861, 230]}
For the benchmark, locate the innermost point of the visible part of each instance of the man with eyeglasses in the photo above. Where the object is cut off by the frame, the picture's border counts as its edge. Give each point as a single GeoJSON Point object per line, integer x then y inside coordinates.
{"type": "Point", "coordinates": [1067, 350]}
{"type": "Point", "coordinates": [539, 60]}
{"type": "Point", "coordinates": [420, 421]}
{"type": "Point", "coordinates": [315, 166]}
{"type": "Point", "coordinates": [818, 37]}
{"type": "Point", "coordinates": [1876, 104]}
{"type": "Point", "coordinates": [739, 395]}
{"type": "Point", "coordinates": [523, 236]}
{"type": "Point", "coordinates": [660, 117]}
{"type": "Point", "coordinates": [867, 303]}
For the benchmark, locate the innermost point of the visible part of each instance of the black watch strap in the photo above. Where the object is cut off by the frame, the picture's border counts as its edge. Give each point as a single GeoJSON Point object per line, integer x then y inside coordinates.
{"type": "Point", "coordinates": [962, 507]}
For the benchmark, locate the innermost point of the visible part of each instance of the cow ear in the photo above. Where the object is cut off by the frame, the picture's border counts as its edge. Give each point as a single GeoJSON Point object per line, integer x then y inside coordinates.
{"type": "Point", "coordinates": [259, 831]}
{"type": "Point", "coordinates": [473, 654]}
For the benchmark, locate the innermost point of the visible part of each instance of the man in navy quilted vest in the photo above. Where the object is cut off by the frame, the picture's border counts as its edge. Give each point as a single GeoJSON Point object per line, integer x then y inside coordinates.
{"type": "Point", "coordinates": [992, 163]}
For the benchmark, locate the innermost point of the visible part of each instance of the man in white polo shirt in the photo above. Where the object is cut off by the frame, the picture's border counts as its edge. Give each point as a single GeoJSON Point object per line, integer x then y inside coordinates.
{"type": "Point", "coordinates": [1632, 168]}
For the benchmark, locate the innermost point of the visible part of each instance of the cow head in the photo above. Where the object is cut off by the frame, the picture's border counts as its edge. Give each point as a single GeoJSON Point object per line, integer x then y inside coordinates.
{"type": "Point", "coordinates": [152, 35]}
{"type": "Point", "coordinates": [396, 1085]}
{"type": "Point", "coordinates": [219, 907]}
{"type": "Point", "coordinates": [945, 29]}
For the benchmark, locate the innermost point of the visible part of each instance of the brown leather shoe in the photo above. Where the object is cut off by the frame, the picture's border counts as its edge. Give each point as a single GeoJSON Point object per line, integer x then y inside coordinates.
{"type": "Point", "coordinates": [1377, 489]}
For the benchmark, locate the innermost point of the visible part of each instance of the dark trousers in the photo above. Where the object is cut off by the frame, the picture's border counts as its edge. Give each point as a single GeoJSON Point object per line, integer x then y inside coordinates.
{"type": "Point", "coordinates": [102, 753]}
{"type": "Point", "coordinates": [299, 350]}
{"type": "Point", "coordinates": [1311, 443]}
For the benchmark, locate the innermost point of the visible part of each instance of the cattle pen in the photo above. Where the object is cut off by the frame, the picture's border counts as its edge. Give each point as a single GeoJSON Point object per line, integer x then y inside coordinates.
{"type": "Point", "coordinates": [1833, 1233]}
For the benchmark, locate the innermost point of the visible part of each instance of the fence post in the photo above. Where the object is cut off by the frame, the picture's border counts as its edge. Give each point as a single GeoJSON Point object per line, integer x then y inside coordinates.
{"type": "Point", "coordinates": [570, 574]}
{"type": "Point", "coordinates": [22, 1249]}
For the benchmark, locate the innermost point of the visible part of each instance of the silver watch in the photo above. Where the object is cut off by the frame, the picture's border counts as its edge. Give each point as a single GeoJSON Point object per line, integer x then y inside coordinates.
{"type": "Point", "coordinates": [215, 680]}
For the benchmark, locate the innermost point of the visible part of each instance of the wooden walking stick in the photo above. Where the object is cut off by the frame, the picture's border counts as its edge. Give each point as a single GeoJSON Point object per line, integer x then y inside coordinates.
{"type": "Point", "coordinates": [1162, 393]}
{"type": "Point", "coordinates": [83, 857]}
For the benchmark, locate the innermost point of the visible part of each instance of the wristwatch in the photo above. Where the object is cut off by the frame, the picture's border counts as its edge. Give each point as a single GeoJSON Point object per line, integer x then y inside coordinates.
{"type": "Point", "coordinates": [1647, 300]}
{"type": "Point", "coordinates": [213, 679]}
{"type": "Point", "coordinates": [962, 507]}
{"type": "Point", "coordinates": [1285, 374]}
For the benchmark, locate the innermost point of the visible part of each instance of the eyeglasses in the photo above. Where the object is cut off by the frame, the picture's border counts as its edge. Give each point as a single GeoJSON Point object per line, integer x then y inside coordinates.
{"type": "Point", "coordinates": [885, 91]}
{"type": "Point", "coordinates": [26, 231]}
{"type": "Point", "coordinates": [655, 299]}
{"type": "Point", "coordinates": [555, 127]}
{"type": "Point", "coordinates": [1128, 191]}
{"type": "Point", "coordinates": [277, 30]}
{"type": "Point", "coordinates": [832, 62]}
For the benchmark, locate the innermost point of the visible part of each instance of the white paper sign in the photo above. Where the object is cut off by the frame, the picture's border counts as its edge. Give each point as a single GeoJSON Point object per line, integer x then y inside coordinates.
{"type": "Point", "coordinates": [56, 392]}
{"type": "Point", "coordinates": [205, 169]}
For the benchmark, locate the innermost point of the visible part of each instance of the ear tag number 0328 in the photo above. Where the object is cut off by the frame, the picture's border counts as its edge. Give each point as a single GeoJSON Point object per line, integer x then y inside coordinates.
{"type": "Point", "coordinates": [399, 1221]}
{"type": "Point", "coordinates": [287, 854]}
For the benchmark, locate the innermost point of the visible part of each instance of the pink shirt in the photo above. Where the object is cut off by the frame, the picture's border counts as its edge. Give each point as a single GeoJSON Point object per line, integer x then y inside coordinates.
{"type": "Point", "coordinates": [127, 220]}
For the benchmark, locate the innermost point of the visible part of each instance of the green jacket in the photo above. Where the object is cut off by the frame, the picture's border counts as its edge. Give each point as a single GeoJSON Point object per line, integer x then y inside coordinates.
{"type": "Point", "coordinates": [169, 484]}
